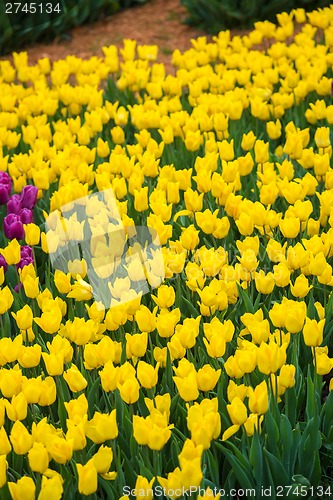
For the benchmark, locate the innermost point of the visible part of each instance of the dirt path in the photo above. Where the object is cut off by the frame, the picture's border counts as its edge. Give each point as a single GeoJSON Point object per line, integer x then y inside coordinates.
{"type": "Point", "coordinates": [157, 22]}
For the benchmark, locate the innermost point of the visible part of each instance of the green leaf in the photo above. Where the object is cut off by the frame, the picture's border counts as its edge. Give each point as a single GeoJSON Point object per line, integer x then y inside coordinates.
{"type": "Point", "coordinates": [193, 311]}
{"type": "Point", "coordinates": [312, 400]}
{"type": "Point", "coordinates": [270, 480]}
{"type": "Point", "coordinates": [144, 471]}
{"type": "Point", "coordinates": [279, 473]}
{"type": "Point", "coordinates": [257, 302]}
{"type": "Point", "coordinates": [62, 414]}
{"type": "Point", "coordinates": [286, 437]}
{"type": "Point", "coordinates": [308, 452]}
{"type": "Point", "coordinates": [213, 466]}
{"type": "Point", "coordinates": [240, 465]}
{"type": "Point", "coordinates": [255, 457]}
{"type": "Point", "coordinates": [290, 399]}
{"type": "Point", "coordinates": [297, 437]}
{"type": "Point", "coordinates": [326, 414]}
{"type": "Point", "coordinates": [273, 434]}
{"type": "Point", "coordinates": [105, 485]}
{"type": "Point", "coordinates": [93, 394]}
{"type": "Point", "coordinates": [246, 300]}
{"type": "Point", "coordinates": [299, 479]}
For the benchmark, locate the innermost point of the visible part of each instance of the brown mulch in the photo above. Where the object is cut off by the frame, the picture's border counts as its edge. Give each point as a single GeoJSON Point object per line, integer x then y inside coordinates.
{"type": "Point", "coordinates": [158, 22]}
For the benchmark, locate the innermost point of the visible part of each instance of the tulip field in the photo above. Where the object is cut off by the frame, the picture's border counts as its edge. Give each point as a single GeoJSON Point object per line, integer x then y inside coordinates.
{"type": "Point", "coordinates": [190, 358]}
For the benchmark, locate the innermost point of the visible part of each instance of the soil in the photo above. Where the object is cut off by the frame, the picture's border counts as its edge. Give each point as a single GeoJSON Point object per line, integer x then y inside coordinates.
{"type": "Point", "coordinates": [157, 22]}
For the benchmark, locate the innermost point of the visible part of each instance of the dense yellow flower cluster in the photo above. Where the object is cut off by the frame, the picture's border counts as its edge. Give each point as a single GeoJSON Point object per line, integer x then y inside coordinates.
{"type": "Point", "coordinates": [228, 161]}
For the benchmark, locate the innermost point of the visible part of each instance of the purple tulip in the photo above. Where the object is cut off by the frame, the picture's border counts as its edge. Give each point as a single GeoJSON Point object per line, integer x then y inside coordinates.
{"type": "Point", "coordinates": [3, 263]}
{"type": "Point", "coordinates": [29, 196]}
{"type": "Point", "coordinates": [5, 187]}
{"type": "Point", "coordinates": [14, 204]}
{"type": "Point", "coordinates": [5, 178]}
{"type": "Point", "coordinates": [26, 257]}
{"type": "Point", "coordinates": [18, 287]}
{"type": "Point", "coordinates": [26, 252]}
{"type": "Point", "coordinates": [4, 195]}
{"type": "Point", "coordinates": [13, 227]}
{"type": "Point", "coordinates": [26, 216]}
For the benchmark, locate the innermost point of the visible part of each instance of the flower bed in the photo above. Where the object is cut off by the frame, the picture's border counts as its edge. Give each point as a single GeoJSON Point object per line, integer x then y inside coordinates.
{"type": "Point", "coordinates": [166, 270]}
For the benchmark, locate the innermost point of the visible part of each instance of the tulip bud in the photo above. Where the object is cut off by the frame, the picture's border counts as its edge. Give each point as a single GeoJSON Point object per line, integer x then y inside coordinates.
{"type": "Point", "coordinates": [324, 364]}
{"type": "Point", "coordinates": [102, 459]}
{"type": "Point", "coordinates": [29, 197]}
{"type": "Point", "coordinates": [129, 390]}
{"type": "Point", "coordinates": [318, 264]}
{"type": "Point", "coordinates": [20, 438]}
{"type": "Point", "coordinates": [76, 434]}
{"type": "Point", "coordinates": [258, 399]}
{"type": "Point", "coordinates": [26, 257]}
{"type": "Point", "coordinates": [38, 458]}
{"type": "Point", "coordinates": [313, 332]}
{"type": "Point", "coordinates": [141, 199]}
{"type": "Point", "coordinates": [207, 378]}
{"type": "Point", "coordinates": [248, 141]}
{"type": "Point", "coordinates": [31, 388]}
{"type": "Point", "coordinates": [87, 478]}
{"type": "Point", "coordinates": [14, 204]}
{"type": "Point", "coordinates": [253, 423]}
{"type": "Point", "coordinates": [216, 346]}
{"type": "Point", "coordinates": [102, 427]}
{"type": "Point", "coordinates": [5, 187]}
{"type": "Point", "coordinates": [144, 487]}
{"type": "Point", "coordinates": [147, 374]}
{"type": "Point", "coordinates": [74, 378]}
{"type": "Point", "coordinates": [146, 320]}
{"type": "Point", "coordinates": [51, 488]}
{"type": "Point", "coordinates": [48, 392]}
{"type": "Point", "coordinates": [3, 470]}
{"type": "Point", "coordinates": [13, 227]}
{"type": "Point", "coordinates": [54, 363]}
{"type": "Point", "coordinates": [264, 282]}
{"type": "Point", "coordinates": [3, 264]}
{"type": "Point", "coordinates": [5, 446]}
{"type": "Point", "coordinates": [237, 411]}
{"type": "Point", "coordinates": [17, 409]}
{"type": "Point", "coordinates": [26, 216]}
{"type": "Point", "coordinates": [23, 318]}
{"type": "Point", "coordinates": [287, 375]}
{"type": "Point", "coordinates": [176, 348]}
{"type": "Point", "coordinates": [193, 200]}
{"type": "Point", "coordinates": [290, 227]}
{"type": "Point", "coordinates": [49, 321]}
{"type": "Point", "coordinates": [10, 382]}
{"type": "Point", "coordinates": [32, 233]}
{"type": "Point", "coordinates": [165, 297]}
{"type": "Point", "coordinates": [301, 287]}
{"type": "Point", "coordinates": [261, 151]}
{"type": "Point", "coordinates": [103, 148]}
{"type": "Point", "coordinates": [136, 345]}
{"type": "Point", "coordinates": [59, 449]}
{"type": "Point", "coordinates": [295, 317]}
{"type": "Point", "coordinates": [187, 387]}
{"type": "Point", "coordinates": [24, 488]}
{"type": "Point", "coordinates": [248, 260]}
